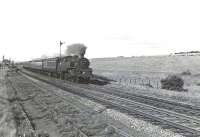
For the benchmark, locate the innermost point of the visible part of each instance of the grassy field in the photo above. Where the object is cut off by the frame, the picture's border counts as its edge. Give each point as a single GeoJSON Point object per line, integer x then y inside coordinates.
{"type": "Point", "coordinates": [146, 72]}
{"type": "Point", "coordinates": [165, 64]}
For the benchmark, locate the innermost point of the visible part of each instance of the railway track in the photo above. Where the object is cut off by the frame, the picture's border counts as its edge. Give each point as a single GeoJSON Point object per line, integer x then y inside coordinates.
{"type": "Point", "coordinates": [21, 115]}
{"type": "Point", "coordinates": [187, 109]}
{"type": "Point", "coordinates": [180, 123]}
{"type": "Point", "coordinates": [120, 132]}
{"type": "Point", "coordinates": [48, 99]}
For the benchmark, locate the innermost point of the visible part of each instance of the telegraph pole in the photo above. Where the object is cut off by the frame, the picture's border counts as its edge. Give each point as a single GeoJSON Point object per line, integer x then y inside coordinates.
{"type": "Point", "coordinates": [61, 43]}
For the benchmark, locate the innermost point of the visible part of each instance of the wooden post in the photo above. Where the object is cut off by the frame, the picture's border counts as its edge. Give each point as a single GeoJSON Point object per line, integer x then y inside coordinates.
{"type": "Point", "coordinates": [157, 84]}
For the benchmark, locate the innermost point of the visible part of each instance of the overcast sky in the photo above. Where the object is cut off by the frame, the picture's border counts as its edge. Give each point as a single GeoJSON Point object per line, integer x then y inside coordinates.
{"type": "Point", "coordinates": [32, 28]}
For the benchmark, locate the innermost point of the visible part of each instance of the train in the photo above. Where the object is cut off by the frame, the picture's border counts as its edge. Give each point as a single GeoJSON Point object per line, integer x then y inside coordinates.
{"type": "Point", "coordinates": [73, 67]}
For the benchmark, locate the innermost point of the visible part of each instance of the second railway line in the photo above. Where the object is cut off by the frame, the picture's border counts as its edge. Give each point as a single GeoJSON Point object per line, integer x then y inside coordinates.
{"type": "Point", "coordinates": [153, 101]}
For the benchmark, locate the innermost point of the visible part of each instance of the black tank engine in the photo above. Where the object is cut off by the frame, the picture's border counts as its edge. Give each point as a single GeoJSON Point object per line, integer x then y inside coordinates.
{"type": "Point", "coordinates": [75, 67]}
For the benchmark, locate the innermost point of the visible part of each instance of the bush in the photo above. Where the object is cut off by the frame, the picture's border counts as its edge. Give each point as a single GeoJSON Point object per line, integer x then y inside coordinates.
{"type": "Point", "coordinates": [187, 72]}
{"type": "Point", "coordinates": [172, 82]}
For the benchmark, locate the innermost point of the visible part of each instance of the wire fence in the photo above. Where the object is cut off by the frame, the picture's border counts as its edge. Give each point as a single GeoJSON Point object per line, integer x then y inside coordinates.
{"type": "Point", "coordinates": [152, 83]}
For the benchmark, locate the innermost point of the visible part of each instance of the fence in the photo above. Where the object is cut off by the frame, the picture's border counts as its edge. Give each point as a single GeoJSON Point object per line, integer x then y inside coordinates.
{"type": "Point", "coordinates": [152, 83]}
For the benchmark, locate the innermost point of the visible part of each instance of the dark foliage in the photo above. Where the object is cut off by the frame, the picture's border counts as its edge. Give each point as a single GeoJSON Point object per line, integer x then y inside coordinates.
{"type": "Point", "coordinates": [186, 73]}
{"type": "Point", "coordinates": [173, 82]}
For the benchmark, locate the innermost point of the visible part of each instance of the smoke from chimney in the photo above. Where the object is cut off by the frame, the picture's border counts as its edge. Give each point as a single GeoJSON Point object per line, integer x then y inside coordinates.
{"type": "Point", "coordinates": [76, 49]}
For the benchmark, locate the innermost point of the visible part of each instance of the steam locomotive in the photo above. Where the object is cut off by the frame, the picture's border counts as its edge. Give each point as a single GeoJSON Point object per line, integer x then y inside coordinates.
{"type": "Point", "coordinates": [73, 68]}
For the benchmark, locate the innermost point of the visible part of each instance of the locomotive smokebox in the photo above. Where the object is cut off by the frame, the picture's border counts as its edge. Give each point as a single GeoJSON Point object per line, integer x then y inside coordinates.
{"type": "Point", "coordinates": [76, 50]}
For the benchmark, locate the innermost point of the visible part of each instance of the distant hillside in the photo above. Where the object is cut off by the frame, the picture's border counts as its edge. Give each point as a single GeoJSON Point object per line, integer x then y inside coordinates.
{"type": "Point", "coordinates": [190, 53]}
{"type": "Point", "coordinates": [175, 64]}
